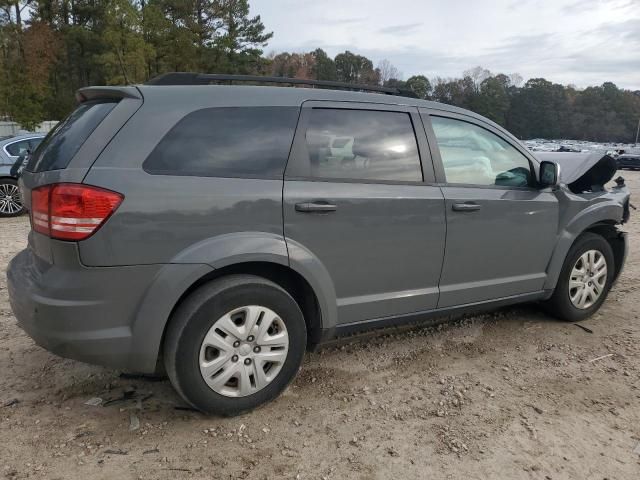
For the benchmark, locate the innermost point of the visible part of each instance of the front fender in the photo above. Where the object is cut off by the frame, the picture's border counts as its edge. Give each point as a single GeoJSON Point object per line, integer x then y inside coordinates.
{"type": "Point", "coordinates": [604, 209]}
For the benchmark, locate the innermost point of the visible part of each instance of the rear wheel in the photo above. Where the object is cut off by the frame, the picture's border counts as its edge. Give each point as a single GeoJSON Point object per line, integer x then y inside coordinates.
{"type": "Point", "coordinates": [10, 199]}
{"type": "Point", "coordinates": [234, 344]}
{"type": "Point", "coordinates": [585, 279]}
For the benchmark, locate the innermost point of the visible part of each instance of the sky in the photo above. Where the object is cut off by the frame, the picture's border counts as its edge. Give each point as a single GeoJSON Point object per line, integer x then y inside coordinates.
{"type": "Point", "coordinates": [579, 42]}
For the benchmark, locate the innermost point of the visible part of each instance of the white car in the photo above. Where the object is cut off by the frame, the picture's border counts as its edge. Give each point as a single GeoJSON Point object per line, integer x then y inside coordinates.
{"type": "Point", "coordinates": [11, 149]}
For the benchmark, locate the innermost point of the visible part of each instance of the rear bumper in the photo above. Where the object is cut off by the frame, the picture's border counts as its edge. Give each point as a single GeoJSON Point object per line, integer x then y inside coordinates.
{"type": "Point", "coordinates": [82, 313]}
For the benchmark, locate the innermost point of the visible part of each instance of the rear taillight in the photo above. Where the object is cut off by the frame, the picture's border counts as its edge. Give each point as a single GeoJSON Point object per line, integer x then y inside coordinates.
{"type": "Point", "coordinates": [70, 211]}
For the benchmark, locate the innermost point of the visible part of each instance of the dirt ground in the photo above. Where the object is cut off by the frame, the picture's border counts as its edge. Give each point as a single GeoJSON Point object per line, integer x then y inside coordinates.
{"type": "Point", "coordinates": [509, 395]}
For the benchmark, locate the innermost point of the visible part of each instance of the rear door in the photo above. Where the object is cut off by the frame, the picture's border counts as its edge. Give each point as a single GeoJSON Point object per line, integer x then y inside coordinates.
{"type": "Point", "coordinates": [501, 229]}
{"type": "Point", "coordinates": [367, 211]}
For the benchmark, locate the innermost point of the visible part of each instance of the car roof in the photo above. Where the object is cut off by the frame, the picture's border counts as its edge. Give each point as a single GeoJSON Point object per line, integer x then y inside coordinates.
{"type": "Point", "coordinates": [285, 96]}
{"type": "Point", "coordinates": [206, 96]}
{"type": "Point", "coordinates": [22, 136]}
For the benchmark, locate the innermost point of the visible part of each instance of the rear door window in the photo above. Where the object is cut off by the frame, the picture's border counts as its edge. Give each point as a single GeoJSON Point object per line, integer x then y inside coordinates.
{"type": "Point", "coordinates": [63, 142]}
{"type": "Point", "coordinates": [249, 142]}
{"type": "Point", "coordinates": [364, 145]}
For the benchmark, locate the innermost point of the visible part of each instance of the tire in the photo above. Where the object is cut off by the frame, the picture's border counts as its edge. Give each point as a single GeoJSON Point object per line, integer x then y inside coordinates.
{"type": "Point", "coordinates": [185, 349]}
{"type": "Point", "coordinates": [10, 200]}
{"type": "Point", "coordinates": [560, 305]}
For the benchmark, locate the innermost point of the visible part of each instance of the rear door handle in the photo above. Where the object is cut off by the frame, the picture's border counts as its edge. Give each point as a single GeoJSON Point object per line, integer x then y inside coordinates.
{"type": "Point", "coordinates": [466, 207]}
{"type": "Point", "coordinates": [315, 207]}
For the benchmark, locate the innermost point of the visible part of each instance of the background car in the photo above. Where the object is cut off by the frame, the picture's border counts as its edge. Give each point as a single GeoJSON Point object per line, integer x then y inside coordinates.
{"type": "Point", "coordinates": [11, 149]}
{"type": "Point", "coordinates": [629, 160]}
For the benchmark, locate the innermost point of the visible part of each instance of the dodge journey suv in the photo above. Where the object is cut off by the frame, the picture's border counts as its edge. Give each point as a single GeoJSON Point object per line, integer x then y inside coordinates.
{"type": "Point", "coordinates": [216, 232]}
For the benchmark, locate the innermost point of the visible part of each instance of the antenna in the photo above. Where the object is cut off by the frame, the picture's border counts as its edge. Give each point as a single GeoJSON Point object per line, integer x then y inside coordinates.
{"type": "Point", "coordinates": [124, 70]}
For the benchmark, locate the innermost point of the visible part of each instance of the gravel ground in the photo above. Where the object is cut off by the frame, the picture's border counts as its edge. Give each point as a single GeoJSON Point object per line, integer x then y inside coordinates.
{"type": "Point", "coordinates": [513, 394]}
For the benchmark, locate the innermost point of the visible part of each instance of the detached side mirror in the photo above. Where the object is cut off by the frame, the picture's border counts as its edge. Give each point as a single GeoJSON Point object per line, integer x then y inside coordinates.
{"type": "Point", "coordinates": [549, 174]}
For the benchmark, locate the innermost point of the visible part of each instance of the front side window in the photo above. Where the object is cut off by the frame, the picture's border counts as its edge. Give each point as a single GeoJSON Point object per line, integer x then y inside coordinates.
{"type": "Point", "coordinates": [227, 142]}
{"type": "Point", "coordinates": [475, 156]}
{"type": "Point", "coordinates": [362, 145]}
{"type": "Point", "coordinates": [18, 148]}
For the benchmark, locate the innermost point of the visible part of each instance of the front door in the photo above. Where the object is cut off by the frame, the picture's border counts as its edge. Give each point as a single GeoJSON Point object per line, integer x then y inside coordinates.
{"type": "Point", "coordinates": [501, 229]}
{"type": "Point", "coordinates": [364, 210]}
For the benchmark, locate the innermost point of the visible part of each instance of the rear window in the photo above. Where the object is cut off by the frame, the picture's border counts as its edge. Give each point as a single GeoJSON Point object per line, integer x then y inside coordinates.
{"type": "Point", "coordinates": [227, 142]}
{"type": "Point", "coordinates": [63, 142]}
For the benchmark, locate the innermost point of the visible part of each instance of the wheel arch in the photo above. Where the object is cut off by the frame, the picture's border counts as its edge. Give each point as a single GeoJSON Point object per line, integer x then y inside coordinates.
{"type": "Point", "coordinates": [605, 227]}
{"type": "Point", "coordinates": [289, 265]}
{"type": "Point", "coordinates": [284, 276]}
{"type": "Point", "coordinates": [162, 300]}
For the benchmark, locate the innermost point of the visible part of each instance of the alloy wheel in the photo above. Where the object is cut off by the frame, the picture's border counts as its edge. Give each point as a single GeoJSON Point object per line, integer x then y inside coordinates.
{"type": "Point", "coordinates": [10, 200]}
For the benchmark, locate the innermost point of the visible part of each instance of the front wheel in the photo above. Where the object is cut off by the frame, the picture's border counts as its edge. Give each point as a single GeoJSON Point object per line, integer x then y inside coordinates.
{"type": "Point", "coordinates": [10, 199]}
{"type": "Point", "coordinates": [234, 344]}
{"type": "Point", "coordinates": [585, 279]}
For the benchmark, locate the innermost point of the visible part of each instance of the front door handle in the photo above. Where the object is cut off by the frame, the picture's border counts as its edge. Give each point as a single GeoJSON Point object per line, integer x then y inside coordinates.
{"type": "Point", "coordinates": [315, 207]}
{"type": "Point", "coordinates": [466, 207]}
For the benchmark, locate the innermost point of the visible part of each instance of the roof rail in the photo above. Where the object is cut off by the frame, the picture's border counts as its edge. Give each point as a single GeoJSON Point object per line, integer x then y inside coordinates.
{"type": "Point", "coordinates": [189, 78]}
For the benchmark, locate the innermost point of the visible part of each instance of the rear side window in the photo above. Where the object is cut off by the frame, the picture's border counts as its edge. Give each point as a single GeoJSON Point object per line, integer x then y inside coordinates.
{"type": "Point", "coordinates": [362, 145]}
{"type": "Point", "coordinates": [227, 142]}
{"type": "Point", "coordinates": [18, 148]}
{"type": "Point", "coordinates": [63, 142]}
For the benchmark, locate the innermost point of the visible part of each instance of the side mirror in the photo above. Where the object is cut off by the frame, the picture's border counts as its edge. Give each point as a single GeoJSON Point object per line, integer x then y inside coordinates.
{"type": "Point", "coordinates": [549, 174]}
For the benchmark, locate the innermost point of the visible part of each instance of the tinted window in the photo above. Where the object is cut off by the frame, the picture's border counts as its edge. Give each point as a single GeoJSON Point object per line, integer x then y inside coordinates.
{"type": "Point", "coordinates": [371, 145]}
{"type": "Point", "coordinates": [473, 155]}
{"type": "Point", "coordinates": [34, 142]}
{"type": "Point", "coordinates": [18, 148]}
{"type": "Point", "coordinates": [227, 142]}
{"type": "Point", "coordinates": [63, 142]}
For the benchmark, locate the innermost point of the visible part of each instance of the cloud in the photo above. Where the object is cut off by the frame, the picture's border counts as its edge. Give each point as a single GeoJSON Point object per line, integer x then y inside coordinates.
{"type": "Point", "coordinates": [404, 29]}
{"type": "Point", "coordinates": [584, 43]}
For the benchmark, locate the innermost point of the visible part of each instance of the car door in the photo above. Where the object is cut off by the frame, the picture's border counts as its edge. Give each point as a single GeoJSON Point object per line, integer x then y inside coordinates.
{"type": "Point", "coordinates": [501, 229]}
{"type": "Point", "coordinates": [369, 215]}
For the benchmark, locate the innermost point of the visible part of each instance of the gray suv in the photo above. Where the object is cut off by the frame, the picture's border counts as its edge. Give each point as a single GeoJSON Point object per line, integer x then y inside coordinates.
{"type": "Point", "coordinates": [216, 231]}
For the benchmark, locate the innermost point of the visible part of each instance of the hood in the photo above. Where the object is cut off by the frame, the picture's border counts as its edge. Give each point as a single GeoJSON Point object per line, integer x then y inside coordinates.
{"type": "Point", "coordinates": [582, 172]}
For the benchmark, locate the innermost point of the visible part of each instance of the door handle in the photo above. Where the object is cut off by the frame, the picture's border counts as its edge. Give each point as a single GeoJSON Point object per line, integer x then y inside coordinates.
{"type": "Point", "coordinates": [466, 207]}
{"type": "Point", "coordinates": [315, 207]}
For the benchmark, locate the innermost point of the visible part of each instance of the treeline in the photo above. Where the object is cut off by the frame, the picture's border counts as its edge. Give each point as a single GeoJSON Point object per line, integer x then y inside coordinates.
{"type": "Point", "coordinates": [50, 48]}
{"type": "Point", "coordinates": [535, 109]}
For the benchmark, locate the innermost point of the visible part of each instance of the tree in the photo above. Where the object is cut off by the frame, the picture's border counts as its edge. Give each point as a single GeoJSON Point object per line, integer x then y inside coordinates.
{"type": "Point", "coordinates": [493, 100]}
{"type": "Point", "coordinates": [387, 71]}
{"type": "Point", "coordinates": [352, 68]}
{"type": "Point", "coordinates": [324, 68]}
{"type": "Point", "coordinates": [478, 75]}
{"type": "Point", "coordinates": [420, 85]}
{"type": "Point", "coordinates": [539, 109]}
{"type": "Point", "coordinates": [50, 48]}
{"type": "Point", "coordinates": [237, 38]}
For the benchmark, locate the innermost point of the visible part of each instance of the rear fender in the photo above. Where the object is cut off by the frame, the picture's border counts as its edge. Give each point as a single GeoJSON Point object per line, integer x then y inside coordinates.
{"type": "Point", "coordinates": [242, 247]}
{"type": "Point", "coordinates": [194, 263]}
